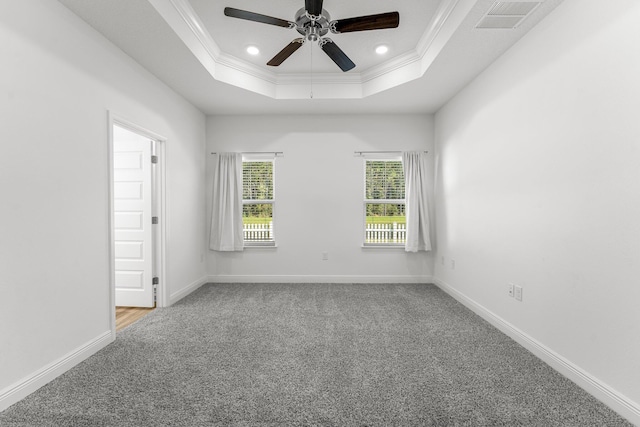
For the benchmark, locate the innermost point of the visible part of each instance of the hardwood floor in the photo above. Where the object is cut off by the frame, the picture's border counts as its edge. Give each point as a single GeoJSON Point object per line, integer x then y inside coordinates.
{"type": "Point", "coordinates": [128, 315]}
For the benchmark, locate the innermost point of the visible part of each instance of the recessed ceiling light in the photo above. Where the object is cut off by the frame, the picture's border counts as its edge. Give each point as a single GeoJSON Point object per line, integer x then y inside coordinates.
{"type": "Point", "coordinates": [252, 50]}
{"type": "Point", "coordinates": [382, 49]}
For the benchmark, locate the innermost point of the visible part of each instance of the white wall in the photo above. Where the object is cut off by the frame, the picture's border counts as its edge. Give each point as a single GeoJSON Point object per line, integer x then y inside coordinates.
{"type": "Point", "coordinates": [538, 184]}
{"type": "Point", "coordinates": [325, 213]}
{"type": "Point", "coordinates": [58, 80]}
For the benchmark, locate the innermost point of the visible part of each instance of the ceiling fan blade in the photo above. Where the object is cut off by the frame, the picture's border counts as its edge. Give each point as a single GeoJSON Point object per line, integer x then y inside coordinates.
{"type": "Point", "coordinates": [256, 17]}
{"type": "Point", "coordinates": [286, 52]}
{"type": "Point", "coordinates": [313, 7]}
{"type": "Point", "coordinates": [336, 54]}
{"type": "Point", "coordinates": [364, 23]}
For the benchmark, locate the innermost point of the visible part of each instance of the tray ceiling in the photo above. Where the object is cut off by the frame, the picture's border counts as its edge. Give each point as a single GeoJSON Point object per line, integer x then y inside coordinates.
{"type": "Point", "coordinates": [201, 53]}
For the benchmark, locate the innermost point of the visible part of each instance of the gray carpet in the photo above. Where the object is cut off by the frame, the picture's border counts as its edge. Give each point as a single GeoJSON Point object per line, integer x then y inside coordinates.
{"type": "Point", "coordinates": [311, 354]}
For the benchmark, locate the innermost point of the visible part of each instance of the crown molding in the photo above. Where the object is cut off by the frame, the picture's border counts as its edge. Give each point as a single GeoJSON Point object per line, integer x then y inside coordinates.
{"type": "Point", "coordinates": [411, 65]}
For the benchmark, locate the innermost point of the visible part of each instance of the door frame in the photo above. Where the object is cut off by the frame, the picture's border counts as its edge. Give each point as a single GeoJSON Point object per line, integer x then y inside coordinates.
{"type": "Point", "coordinates": [158, 208]}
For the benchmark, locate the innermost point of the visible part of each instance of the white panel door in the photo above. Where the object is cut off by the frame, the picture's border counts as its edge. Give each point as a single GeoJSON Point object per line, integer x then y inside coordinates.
{"type": "Point", "coordinates": [132, 194]}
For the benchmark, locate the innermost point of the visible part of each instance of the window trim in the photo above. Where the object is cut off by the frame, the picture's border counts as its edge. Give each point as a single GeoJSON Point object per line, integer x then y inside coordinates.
{"type": "Point", "coordinates": [259, 158]}
{"type": "Point", "coordinates": [377, 158]}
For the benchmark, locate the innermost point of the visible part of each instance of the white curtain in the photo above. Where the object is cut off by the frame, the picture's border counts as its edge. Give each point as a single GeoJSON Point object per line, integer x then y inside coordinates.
{"type": "Point", "coordinates": [416, 184]}
{"type": "Point", "coordinates": [226, 215]}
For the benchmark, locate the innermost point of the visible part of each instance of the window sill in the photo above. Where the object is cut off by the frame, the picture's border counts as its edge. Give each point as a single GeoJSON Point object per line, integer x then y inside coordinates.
{"type": "Point", "coordinates": [382, 246]}
{"type": "Point", "coordinates": [260, 246]}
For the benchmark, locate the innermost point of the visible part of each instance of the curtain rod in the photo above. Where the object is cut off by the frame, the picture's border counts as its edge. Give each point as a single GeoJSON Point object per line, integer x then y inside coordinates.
{"type": "Point", "coordinates": [360, 153]}
{"type": "Point", "coordinates": [275, 153]}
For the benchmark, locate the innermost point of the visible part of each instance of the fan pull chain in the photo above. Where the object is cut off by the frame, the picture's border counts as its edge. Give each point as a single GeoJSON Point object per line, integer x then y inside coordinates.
{"type": "Point", "coordinates": [311, 48]}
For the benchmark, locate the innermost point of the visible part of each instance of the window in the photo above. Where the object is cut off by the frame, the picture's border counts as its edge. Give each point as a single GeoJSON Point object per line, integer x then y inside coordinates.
{"type": "Point", "coordinates": [384, 203]}
{"type": "Point", "coordinates": [257, 202]}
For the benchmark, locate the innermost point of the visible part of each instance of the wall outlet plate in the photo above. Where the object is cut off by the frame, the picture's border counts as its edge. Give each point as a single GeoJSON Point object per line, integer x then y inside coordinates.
{"type": "Point", "coordinates": [518, 293]}
{"type": "Point", "coordinates": [510, 289]}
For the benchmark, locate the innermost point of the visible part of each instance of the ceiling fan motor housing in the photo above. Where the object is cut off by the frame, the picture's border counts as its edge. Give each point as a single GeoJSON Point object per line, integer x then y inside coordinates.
{"type": "Point", "coordinates": [310, 26]}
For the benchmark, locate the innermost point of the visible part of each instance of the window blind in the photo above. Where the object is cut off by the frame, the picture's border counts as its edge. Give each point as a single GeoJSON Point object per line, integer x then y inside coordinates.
{"type": "Point", "coordinates": [384, 180]}
{"type": "Point", "coordinates": [257, 180]}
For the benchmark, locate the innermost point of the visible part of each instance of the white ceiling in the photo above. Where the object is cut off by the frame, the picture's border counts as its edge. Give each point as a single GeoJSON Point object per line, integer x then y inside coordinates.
{"type": "Point", "coordinates": [431, 56]}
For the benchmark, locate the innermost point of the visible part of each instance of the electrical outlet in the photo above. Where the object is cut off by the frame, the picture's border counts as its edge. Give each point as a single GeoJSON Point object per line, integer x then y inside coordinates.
{"type": "Point", "coordinates": [325, 256]}
{"type": "Point", "coordinates": [453, 264]}
{"type": "Point", "coordinates": [518, 293]}
{"type": "Point", "coordinates": [510, 288]}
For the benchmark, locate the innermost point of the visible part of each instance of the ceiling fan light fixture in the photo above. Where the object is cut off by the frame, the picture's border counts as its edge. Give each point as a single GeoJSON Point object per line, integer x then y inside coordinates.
{"type": "Point", "coordinates": [382, 49]}
{"type": "Point", "coordinates": [253, 50]}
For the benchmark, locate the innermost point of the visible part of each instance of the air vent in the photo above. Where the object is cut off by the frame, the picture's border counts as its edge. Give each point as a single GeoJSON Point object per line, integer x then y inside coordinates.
{"type": "Point", "coordinates": [507, 14]}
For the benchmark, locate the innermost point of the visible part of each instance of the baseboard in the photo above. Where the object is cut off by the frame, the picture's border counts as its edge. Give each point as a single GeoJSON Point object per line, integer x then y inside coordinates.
{"type": "Point", "coordinates": [28, 385]}
{"type": "Point", "coordinates": [601, 391]}
{"type": "Point", "coordinates": [177, 296]}
{"type": "Point", "coordinates": [317, 279]}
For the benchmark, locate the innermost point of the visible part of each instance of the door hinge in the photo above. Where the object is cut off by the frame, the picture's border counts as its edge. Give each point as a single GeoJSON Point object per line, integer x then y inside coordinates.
{"type": "Point", "coordinates": [154, 220]}
{"type": "Point", "coordinates": [155, 282]}
{"type": "Point", "coordinates": [154, 159]}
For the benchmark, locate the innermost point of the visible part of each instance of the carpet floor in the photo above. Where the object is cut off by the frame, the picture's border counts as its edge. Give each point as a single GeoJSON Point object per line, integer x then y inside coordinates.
{"type": "Point", "coordinates": [312, 354]}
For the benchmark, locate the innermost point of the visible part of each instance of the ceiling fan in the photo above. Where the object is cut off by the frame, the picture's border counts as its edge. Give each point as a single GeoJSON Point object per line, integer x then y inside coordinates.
{"type": "Point", "coordinates": [313, 22]}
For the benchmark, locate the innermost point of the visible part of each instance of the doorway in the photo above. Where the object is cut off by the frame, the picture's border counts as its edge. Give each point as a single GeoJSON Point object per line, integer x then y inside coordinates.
{"type": "Point", "coordinates": [136, 230]}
